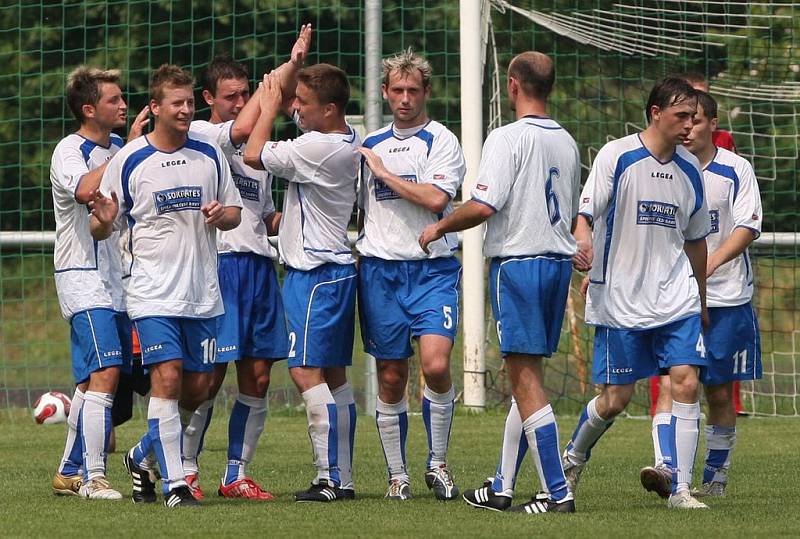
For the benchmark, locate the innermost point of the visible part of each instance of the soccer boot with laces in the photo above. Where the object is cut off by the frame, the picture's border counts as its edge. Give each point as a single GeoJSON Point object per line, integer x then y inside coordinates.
{"type": "Point", "coordinates": [67, 485]}
{"type": "Point", "coordinates": [486, 498]}
{"type": "Point", "coordinates": [193, 482]}
{"type": "Point", "coordinates": [540, 504]}
{"type": "Point", "coordinates": [244, 488]}
{"type": "Point", "coordinates": [684, 500]}
{"type": "Point", "coordinates": [180, 497]}
{"type": "Point", "coordinates": [656, 479]}
{"type": "Point", "coordinates": [714, 489]}
{"type": "Point", "coordinates": [320, 493]}
{"type": "Point", "coordinates": [99, 489]}
{"type": "Point", "coordinates": [399, 490]}
{"type": "Point", "coordinates": [144, 489]}
{"type": "Point", "coordinates": [440, 481]}
{"type": "Point", "coordinates": [572, 472]}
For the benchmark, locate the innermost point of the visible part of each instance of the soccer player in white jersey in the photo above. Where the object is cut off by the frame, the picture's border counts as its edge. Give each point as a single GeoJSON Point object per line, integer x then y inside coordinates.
{"type": "Point", "coordinates": [646, 288]}
{"type": "Point", "coordinates": [732, 339]}
{"type": "Point", "coordinates": [170, 192]}
{"type": "Point", "coordinates": [415, 167]}
{"type": "Point", "coordinates": [252, 332]}
{"type": "Point", "coordinates": [526, 191]}
{"type": "Point", "coordinates": [321, 168]}
{"type": "Point", "coordinates": [87, 276]}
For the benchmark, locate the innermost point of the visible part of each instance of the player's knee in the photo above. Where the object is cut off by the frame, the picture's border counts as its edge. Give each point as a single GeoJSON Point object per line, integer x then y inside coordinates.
{"type": "Point", "coordinates": [104, 380]}
{"type": "Point", "coordinates": [391, 381]}
{"type": "Point", "coordinates": [437, 370]}
{"type": "Point", "coordinates": [719, 397]}
{"type": "Point", "coordinates": [612, 403]}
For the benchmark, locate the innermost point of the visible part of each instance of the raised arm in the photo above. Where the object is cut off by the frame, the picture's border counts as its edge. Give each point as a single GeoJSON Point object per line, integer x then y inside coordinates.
{"type": "Point", "coordinates": [270, 103]}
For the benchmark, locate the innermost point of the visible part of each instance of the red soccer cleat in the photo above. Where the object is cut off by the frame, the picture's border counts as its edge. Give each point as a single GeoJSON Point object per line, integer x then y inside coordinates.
{"type": "Point", "coordinates": [245, 488]}
{"type": "Point", "coordinates": [193, 482]}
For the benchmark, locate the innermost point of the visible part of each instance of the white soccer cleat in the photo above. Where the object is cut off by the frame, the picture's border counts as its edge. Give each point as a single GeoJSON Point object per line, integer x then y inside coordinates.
{"type": "Point", "coordinates": [399, 490]}
{"type": "Point", "coordinates": [684, 500]}
{"type": "Point", "coordinates": [99, 489]}
{"type": "Point", "coordinates": [572, 472]}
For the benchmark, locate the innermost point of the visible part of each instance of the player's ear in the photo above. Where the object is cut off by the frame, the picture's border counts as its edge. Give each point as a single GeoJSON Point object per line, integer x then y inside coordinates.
{"type": "Point", "coordinates": [154, 107]}
{"type": "Point", "coordinates": [88, 111]}
{"type": "Point", "coordinates": [208, 98]}
{"type": "Point", "coordinates": [714, 123]}
{"type": "Point", "coordinates": [655, 112]}
{"type": "Point", "coordinates": [384, 92]}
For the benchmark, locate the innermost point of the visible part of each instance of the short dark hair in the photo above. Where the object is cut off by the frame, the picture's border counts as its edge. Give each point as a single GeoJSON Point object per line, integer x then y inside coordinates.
{"type": "Point", "coordinates": [222, 67]}
{"type": "Point", "coordinates": [83, 87]}
{"type": "Point", "coordinates": [329, 84]}
{"type": "Point", "coordinates": [535, 73]}
{"type": "Point", "coordinates": [708, 103]}
{"type": "Point", "coordinates": [168, 75]}
{"type": "Point", "coordinates": [669, 92]}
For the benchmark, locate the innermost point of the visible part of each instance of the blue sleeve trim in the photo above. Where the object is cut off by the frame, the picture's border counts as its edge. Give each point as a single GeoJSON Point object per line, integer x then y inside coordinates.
{"type": "Point", "coordinates": [479, 201]}
{"type": "Point", "coordinates": [755, 231]}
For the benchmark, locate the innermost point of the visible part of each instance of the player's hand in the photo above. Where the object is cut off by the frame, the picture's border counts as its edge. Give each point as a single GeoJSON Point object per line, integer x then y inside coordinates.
{"type": "Point", "coordinates": [271, 97]}
{"type": "Point", "coordinates": [102, 207]}
{"type": "Point", "coordinates": [139, 123]}
{"type": "Point", "coordinates": [584, 286]}
{"type": "Point", "coordinates": [214, 212]}
{"type": "Point", "coordinates": [430, 234]}
{"type": "Point", "coordinates": [374, 162]}
{"type": "Point", "coordinates": [582, 261]}
{"type": "Point", "coordinates": [301, 46]}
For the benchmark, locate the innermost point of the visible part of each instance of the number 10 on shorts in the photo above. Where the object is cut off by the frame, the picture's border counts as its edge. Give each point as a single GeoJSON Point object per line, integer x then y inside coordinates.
{"type": "Point", "coordinates": [209, 350]}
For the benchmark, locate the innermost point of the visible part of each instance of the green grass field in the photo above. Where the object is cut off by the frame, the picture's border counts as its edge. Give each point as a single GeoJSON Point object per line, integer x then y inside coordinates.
{"type": "Point", "coordinates": [762, 497]}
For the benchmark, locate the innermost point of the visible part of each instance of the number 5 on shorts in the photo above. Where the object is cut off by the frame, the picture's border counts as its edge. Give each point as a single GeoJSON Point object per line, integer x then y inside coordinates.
{"type": "Point", "coordinates": [447, 311]}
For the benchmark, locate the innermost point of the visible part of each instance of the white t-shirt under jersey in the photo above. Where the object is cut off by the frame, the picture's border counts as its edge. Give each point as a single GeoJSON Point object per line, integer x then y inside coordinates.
{"type": "Point", "coordinates": [322, 171]}
{"type": "Point", "coordinates": [255, 188]}
{"type": "Point", "coordinates": [734, 201]}
{"type": "Point", "coordinates": [425, 154]}
{"type": "Point", "coordinates": [530, 175]}
{"type": "Point", "coordinates": [87, 273]}
{"type": "Point", "coordinates": [643, 211]}
{"type": "Point", "coordinates": [169, 253]}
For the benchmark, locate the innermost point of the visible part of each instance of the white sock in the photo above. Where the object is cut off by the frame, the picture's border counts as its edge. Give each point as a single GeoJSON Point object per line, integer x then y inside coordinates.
{"type": "Point", "coordinates": [164, 423]}
{"type": "Point", "coordinates": [515, 445]}
{"type": "Point", "coordinates": [392, 422]}
{"type": "Point", "coordinates": [346, 430]}
{"type": "Point", "coordinates": [719, 448]}
{"type": "Point", "coordinates": [72, 460]}
{"type": "Point", "coordinates": [322, 422]}
{"type": "Point", "coordinates": [244, 429]}
{"type": "Point", "coordinates": [437, 414]}
{"type": "Point", "coordinates": [96, 420]}
{"type": "Point", "coordinates": [589, 430]}
{"type": "Point", "coordinates": [194, 433]}
{"type": "Point", "coordinates": [542, 434]}
{"type": "Point", "coordinates": [686, 431]}
{"type": "Point", "coordinates": [661, 439]}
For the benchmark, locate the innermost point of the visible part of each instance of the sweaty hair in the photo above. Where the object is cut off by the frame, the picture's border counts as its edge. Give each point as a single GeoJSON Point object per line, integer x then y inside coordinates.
{"type": "Point", "coordinates": [406, 62]}
{"type": "Point", "coordinates": [168, 75]}
{"type": "Point", "coordinates": [708, 103]}
{"type": "Point", "coordinates": [535, 73]}
{"type": "Point", "coordinates": [222, 67]}
{"type": "Point", "coordinates": [329, 84]}
{"type": "Point", "coordinates": [83, 87]}
{"type": "Point", "coordinates": [669, 92]}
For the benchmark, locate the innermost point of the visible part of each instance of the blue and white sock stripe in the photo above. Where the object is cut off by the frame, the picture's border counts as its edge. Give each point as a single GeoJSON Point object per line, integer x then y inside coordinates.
{"type": "Point", "coordinates": [333, 446]}
{"type": "Point", "coordinates": [426, 419]}
{"type": "Point", "coordinates": [549, 460]}
{"type": "Point", "coordinates": [352, 434]}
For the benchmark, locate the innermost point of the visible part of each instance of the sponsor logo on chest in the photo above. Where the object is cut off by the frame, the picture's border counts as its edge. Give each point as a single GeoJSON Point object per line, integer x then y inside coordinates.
{"type": "Point", "coordinates": [714, 214]}
{"type": "Point", "coordinates": [248, 187]}
{"type": "Point", "coordinates": [660, 175]}
{"type": "Point", "coordinates": [384, 192]}
{"type": "Point", "coordinates": [653, 212]}
{"type": "Point", "coordinates": [173, 163]}
{"type": "Point", "coordinates": [183, 198]}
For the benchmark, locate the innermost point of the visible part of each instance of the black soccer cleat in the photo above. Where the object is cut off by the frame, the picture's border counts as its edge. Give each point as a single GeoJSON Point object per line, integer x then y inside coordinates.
{"type": "Point", "coordinates": [486, 498]}
{"type": "Point", "coordinates": [180, 497]}
{"type": "Point", "coordinates": [539, 505]}
{"type": "Point", "coordinates": [144, 490]}
{"type": "Point", "coordinates": [322, 493]}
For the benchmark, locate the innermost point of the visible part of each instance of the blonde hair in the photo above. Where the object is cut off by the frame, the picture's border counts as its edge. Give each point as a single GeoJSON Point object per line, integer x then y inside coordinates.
{"type": "Point", "coordinates": [83, 87]}
{"type": "Point", "coordinates": [407, 62]}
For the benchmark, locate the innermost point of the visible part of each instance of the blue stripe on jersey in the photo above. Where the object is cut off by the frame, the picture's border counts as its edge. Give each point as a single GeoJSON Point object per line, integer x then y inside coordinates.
{"type": "Point", "coordinates": [86, 149]}
{"type": "Point", "coordinates": [427, 136]}
{"type": "Point", "coordinates": [132, 161]}
{"type": "Point", "coordinates": [694, 177]}
{"type": "Point", "coordinates": [625, 161]}
{"type": "Point", "coordinates": [209, 151]}
{"type": "Point", "coordinates": [374, 140]}
{"type": "Point", "coordinates": [116, 140]}
{"type": "Point", "coordinates": [725, 171]}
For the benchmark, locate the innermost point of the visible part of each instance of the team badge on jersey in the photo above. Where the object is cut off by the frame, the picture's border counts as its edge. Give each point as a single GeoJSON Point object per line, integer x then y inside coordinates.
{"type": "Point", "coordinates": [178, 199]}
{"type": "Point", "coordinates": [714, 214]}
{"type": "Point", "coordinates": [653, 212]}
{"type": "Point", "coordinates": [384, 192]}
{"type": "Point", "coordinates": [248, 187]}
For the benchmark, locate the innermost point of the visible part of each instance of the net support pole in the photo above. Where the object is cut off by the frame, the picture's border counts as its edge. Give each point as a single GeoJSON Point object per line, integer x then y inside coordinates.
{"type": "Point", "coordinates": [472, 254]}
{"type": "Point", "coordinates": [373, 117]}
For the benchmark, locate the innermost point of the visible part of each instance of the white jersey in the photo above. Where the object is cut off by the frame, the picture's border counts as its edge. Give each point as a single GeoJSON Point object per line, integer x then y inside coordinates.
{"type": "Point", "coordinates": [322, 171]}
{"type": "Point", "coordinates": [643, 211]}
{"type": "Point", "coordinates": [734, 201]}
{"type": "Point", "coordinates": [530, 175]}
{"type": "Point", "coordinates": [255, 188]}
{"type": "Point", "coordinates": [428, 154]}
{"type": "Point", "coordinates": [87, 273]}
{"type": "Point", "coordinates": [169, 253]}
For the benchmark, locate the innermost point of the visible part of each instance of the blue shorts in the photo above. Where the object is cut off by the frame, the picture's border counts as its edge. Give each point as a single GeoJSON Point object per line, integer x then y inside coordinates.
{"type": "Point", "coordinates": [192, 340]}
{"type": "Point", "coordinates": [254, 324]}
{"type": "Point", "coordinates": [733, 345]}
{"type": "Point", "coordinates": [99, 338]}
{"type": "Point", "coordinates": [400, 299]}
{"type": "Point", "coordinates": [623, 356]}
{"type": "Point", "coordinates": [320, 314]}
{"type": "Point", "coordinates": [529, 295]}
